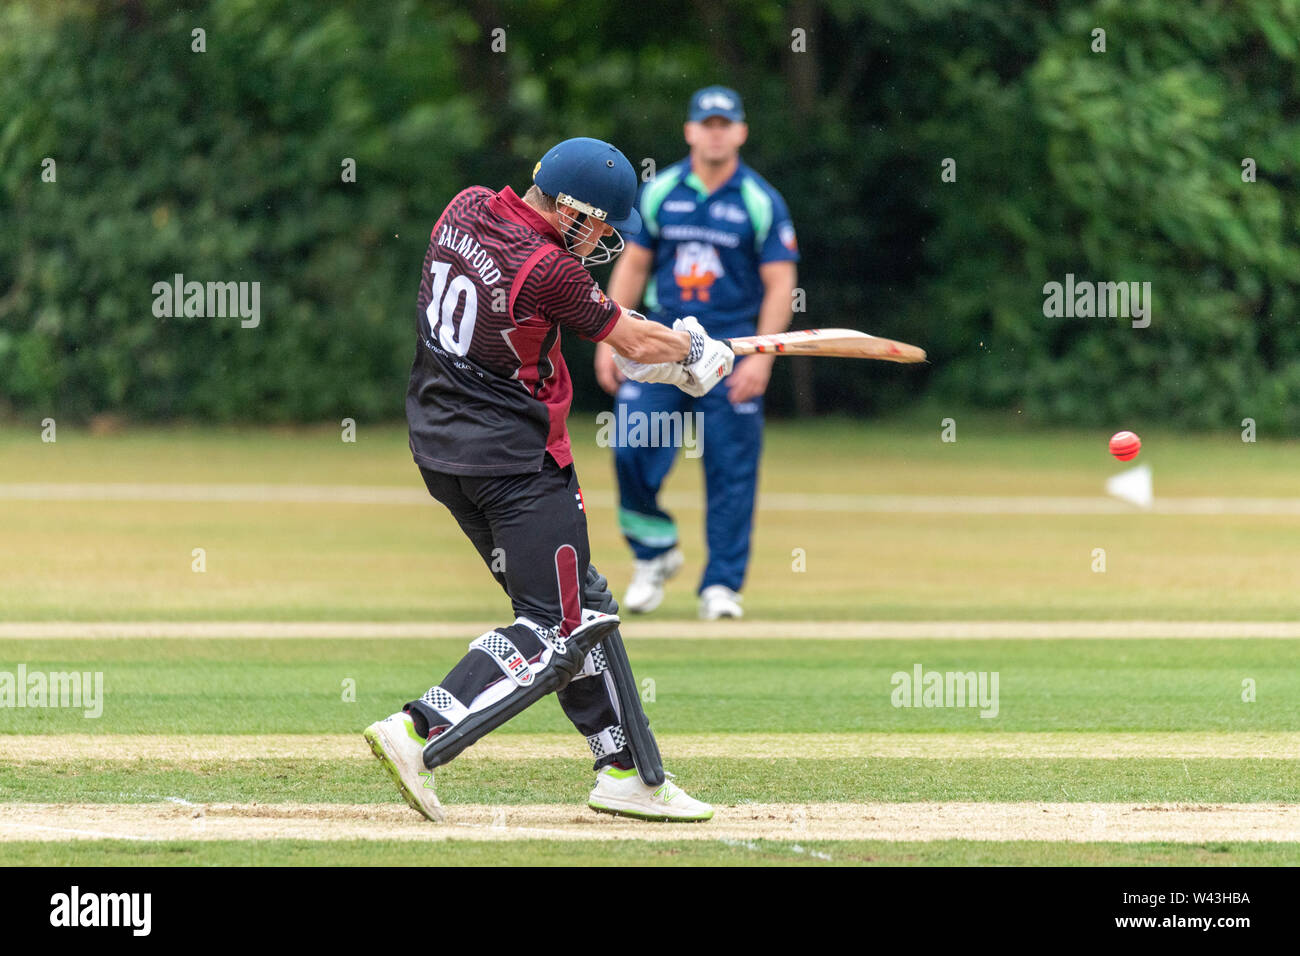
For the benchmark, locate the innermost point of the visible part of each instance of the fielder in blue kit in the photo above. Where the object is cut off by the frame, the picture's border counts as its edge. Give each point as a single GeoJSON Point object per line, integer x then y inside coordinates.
{"type": "Point", "coordinates": [717, 243]}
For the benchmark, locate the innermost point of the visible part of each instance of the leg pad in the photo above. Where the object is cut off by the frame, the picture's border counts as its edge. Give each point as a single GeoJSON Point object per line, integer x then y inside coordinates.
{"type": "Point", "coordinates": [565, 659]}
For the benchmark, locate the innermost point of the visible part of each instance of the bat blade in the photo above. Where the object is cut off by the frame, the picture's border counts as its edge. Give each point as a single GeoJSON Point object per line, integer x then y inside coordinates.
{"type": "Point", "coordinates": [828, 343]}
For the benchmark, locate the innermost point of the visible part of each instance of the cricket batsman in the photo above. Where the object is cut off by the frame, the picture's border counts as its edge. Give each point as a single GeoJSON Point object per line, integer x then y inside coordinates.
{"type": "Point", "coordinates": [487, 402]}
{"type": "Point", "coordinates": [716, 242]}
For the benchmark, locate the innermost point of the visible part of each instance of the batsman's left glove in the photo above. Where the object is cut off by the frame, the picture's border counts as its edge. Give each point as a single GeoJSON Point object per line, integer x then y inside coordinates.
{"type": "Point", "coordinates": [670, 373]}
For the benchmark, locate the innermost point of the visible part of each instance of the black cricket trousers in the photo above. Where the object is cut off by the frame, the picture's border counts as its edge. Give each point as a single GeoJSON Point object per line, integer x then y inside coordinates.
{"type": "Point", "coordinates": [531, 531]}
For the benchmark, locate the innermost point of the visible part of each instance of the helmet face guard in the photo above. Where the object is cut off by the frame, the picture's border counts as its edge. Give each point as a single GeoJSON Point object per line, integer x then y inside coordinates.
{"type": "Point", "coordinates": [577, 233]}
{"type": "Point", "coordinates": [592, 182]}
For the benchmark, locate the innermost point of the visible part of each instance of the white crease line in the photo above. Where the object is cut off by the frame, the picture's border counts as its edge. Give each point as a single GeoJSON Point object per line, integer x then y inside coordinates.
{"type": "Point", "coordinates": [769, 501]}
{"type": "Point", "coordinates": [95, 833]}
{"type": "Point", "coordinates": [507, 828]}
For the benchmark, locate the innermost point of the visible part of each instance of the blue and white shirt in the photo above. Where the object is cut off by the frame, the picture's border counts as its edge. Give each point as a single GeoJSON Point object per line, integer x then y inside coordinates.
{"type": "Point", "coordinates": [708, 247]}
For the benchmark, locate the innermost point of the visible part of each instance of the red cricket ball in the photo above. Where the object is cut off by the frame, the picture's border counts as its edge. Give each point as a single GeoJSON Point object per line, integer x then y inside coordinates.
{"type": "Point", "coordinates": [1125, 445]}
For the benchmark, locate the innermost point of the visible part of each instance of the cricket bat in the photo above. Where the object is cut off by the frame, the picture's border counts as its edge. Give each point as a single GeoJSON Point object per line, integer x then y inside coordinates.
{"type": "Point", "coordinates": [828, 343]}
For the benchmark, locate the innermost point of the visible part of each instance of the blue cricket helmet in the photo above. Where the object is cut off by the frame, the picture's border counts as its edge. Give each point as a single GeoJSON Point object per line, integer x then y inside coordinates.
{"type": "Point", "coordinates": [594, 178]}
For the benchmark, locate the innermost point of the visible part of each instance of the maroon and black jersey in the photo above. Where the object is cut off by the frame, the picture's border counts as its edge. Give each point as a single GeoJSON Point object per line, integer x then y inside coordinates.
{"type": "Point", "coordinates": [489, 389]}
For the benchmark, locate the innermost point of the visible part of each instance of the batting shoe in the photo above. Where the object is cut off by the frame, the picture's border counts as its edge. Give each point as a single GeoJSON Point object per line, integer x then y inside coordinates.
{"type": "Point", "coordinates": [646, 592]}
{"type": "Point", "coordinates": [401, 750]}
{"type": "Point", "coordinates": [718, 600]}
{"type": "Point", "coordinates": [622, 793]}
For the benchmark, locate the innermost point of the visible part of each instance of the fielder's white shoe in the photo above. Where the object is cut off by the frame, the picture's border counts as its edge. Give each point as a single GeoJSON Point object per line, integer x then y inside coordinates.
{"type": "Point", "coordinates": [401, 751]}
{"type": "Point", "coordinates": [646, 592]}
{"type": "Point", "coordinates": [622, 793]}
{"type": "Point", "coordinates": [718, 600]}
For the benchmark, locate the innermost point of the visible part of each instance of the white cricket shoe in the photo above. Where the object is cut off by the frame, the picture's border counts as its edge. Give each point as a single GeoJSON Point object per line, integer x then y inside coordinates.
{"type": "Point", "coordinates": [646, 592]}
{"type": "Point", "coordinates": [401, 751]}
{"type": "Point", "coordinates": [718, 600]}
{"type": "Point", "coordinates": [622, 793]}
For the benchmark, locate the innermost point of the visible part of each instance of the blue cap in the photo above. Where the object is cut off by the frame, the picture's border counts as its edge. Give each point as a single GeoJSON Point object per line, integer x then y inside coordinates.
{"type": "Point", "coordinates": [716, 101]}
{"type": "Point", "coordinates": [594, 173]}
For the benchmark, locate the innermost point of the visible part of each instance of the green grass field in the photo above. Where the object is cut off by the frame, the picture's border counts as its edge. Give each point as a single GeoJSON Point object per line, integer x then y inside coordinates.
{"type": "Point", "coordinates": [334, 561]}
{"type": "Point", "coordinates": [1141, 751]}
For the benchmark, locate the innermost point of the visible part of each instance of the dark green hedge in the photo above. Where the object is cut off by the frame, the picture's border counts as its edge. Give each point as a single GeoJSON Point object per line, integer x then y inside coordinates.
{"type": "Point", "coordinates": [225, 166]}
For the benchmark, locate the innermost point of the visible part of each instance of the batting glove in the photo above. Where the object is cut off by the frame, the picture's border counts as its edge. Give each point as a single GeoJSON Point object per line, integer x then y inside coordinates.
{"type": "Point", "coordinates": [670, 373]}
{"type": "Point", "coordinates": [708, 362]}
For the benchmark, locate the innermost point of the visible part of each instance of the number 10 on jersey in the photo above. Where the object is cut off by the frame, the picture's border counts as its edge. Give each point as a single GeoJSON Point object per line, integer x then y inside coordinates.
{"type": "Point", "coordinates": [442, 310]}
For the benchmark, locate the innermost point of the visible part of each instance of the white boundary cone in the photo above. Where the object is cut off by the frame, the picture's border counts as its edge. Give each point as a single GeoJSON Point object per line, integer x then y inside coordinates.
{"type": "Point", "coordinates": [1133, 486]}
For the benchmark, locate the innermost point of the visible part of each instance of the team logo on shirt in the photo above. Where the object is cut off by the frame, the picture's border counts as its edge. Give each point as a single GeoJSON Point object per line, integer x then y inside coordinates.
{"type": "Point", "coordinates": [696, 269]}
{"type": "Point", "coordinates": [725, 210]}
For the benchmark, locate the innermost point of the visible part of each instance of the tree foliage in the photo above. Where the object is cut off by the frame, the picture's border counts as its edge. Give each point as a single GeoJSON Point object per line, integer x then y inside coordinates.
{"type": "Point", "coordinates": [225, 165]}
